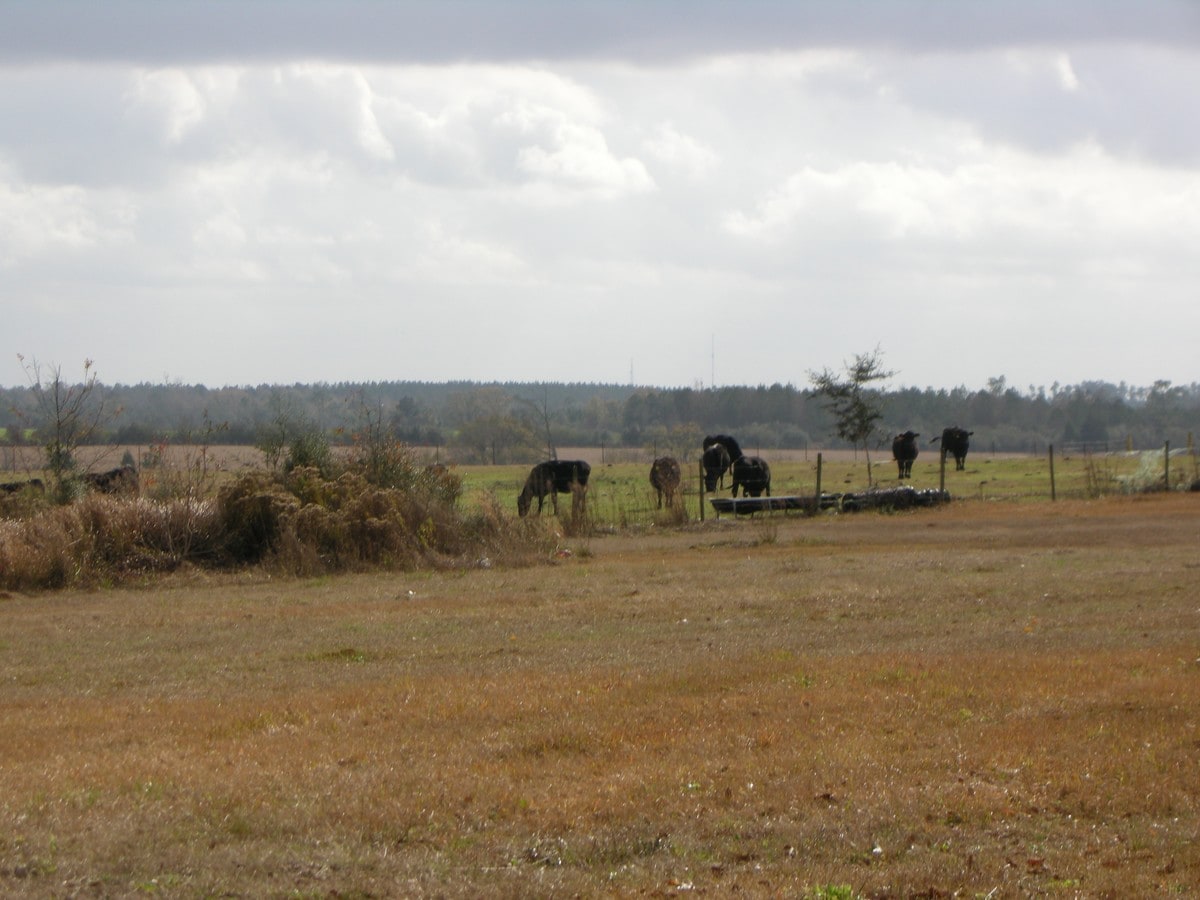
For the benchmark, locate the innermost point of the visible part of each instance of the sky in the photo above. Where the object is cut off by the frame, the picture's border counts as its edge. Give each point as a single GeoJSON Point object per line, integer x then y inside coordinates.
{"type": "Point", "coordinates": [660, 192]}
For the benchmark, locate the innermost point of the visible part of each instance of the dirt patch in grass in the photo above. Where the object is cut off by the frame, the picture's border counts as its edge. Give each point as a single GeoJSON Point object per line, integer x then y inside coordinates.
{"type": "Point", "coordinates": [983, 699]}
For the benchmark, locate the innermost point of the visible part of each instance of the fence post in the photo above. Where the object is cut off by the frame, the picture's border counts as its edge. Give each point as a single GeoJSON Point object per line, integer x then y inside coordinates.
{"type": "Point", "coordinates": [701, 489]}
{"type": "Point", "coordinates": [1167, 464]}
{"type": "Point", "coordinates": [1053, 494]}
{"type": "Point", "coordinates": [817, 498]}
{"type": "Point", "coordinates": [942, 473]}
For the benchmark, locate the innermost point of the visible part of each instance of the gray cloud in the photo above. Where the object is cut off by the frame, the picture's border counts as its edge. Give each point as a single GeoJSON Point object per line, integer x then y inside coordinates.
{"type": "Point", "coordinates": [261, 192]}
{"type": "Point", "coordinates": [195, 31]}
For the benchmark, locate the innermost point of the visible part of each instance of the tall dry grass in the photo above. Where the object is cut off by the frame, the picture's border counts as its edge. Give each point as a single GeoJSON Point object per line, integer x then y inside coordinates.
{"type": "Point", "coordinates": [299, 524]}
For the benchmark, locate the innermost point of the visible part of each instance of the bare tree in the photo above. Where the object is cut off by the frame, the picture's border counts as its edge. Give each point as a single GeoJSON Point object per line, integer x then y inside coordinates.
{"type": "Point", "coordinates": [67, 416]}
{"type": "Point", "coordinates": [542, 413]}
{"type": "Point", "coordinates": [856, 407]}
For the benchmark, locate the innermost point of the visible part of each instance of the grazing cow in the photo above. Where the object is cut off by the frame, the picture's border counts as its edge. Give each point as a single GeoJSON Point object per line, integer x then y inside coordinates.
{"type": "Point", "coordinates": [15, 487]}
{"type": "Point", "coordinates": [553, 477]}
{"type": "Point", "coordinates": [955, 442]}
{"type": "Point", "coordinates": [725, 441]}
{"type": "Point", "coordinates": [750, 473]}
{"type": "Point", "coordinates": [904, 449]}
{"type": "Point", "coordinates": [114, 481]}
{"type": "Point", "coordinates": [716, 463]}
{"type": "Point", "coordinates": [665, 476]}
{"type": "Point", "coordinates": [753, 475]}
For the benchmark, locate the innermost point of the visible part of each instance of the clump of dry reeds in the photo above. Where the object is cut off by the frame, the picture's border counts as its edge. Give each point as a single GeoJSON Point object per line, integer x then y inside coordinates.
{"type": "Point", "coordinates": [102, 538]}
{"type": "Point", "coordinates": [301, 523]}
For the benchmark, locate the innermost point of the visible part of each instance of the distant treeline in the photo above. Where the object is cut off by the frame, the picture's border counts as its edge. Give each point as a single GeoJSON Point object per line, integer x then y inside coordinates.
{"type": "Point", "coordinates": [503, 421]}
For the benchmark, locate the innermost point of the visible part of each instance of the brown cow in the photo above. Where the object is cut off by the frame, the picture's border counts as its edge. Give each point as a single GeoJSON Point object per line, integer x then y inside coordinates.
{"type": "Point", "coordinates": [665, 477]}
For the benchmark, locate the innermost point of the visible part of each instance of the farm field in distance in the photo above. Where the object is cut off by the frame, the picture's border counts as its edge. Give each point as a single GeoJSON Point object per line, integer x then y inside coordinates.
{"type": "Point", "coordinates": [981, 699]}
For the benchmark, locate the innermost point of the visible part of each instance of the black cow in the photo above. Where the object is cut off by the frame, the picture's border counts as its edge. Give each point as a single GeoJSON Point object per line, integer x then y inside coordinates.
{"type": "Point", "coordinates": [904, 450]}
{"type": "Point", "coordinates": [715, 460]}
{"type": "Point", "coordinates": [753, 475]}
{"type": "Point", "coordinates": [15, 487]}
{"type": "Point", "coordinates": [114, 481]}
{"type": "Point", "coordinates": [955, 442]}
{"type": "Point", "coordinates": [731, 446]}
{"type": "Point", "coordinates": [553, 477]}
{"type": "Point", "coordinates": [716, 463]}
{"type": "Point", "coordinates": [750, 473]}
{"type": "Point", "coordinates": [665, 476]}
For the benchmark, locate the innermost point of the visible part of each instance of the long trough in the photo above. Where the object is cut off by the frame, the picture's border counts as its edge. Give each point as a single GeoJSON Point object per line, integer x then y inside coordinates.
{"type": "Point", "coordinates": [885, 498]}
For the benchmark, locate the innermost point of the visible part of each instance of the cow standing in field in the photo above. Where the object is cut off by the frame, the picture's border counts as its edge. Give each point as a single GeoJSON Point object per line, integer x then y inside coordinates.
{"type": "Point", "coordinates": [955, 442]}
{"type": "Point", "coordinates": [665, 476]}
{"type": "Point", "coordinates": [716, 463]}
{"type": "Point", "coordinates": [753, 475]}
{"type": "Point", "coordinates": [750, 473]}
{"type": "Point", "coordinates": [553, 477]}
{"type": "Point", "coordinates": [115, 481]}
{"type": "Point", "coordinates": [904, 450]}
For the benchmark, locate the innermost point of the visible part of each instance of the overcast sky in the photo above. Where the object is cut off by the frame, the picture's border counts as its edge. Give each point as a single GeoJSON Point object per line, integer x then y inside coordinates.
{"type": "Point", "coordinates": [674, 193]}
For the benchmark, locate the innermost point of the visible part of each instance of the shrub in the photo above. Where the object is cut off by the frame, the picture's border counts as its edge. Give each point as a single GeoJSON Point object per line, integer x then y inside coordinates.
{"type": "Point", "coordinates": [251, 513]}
{"type": "Point", "coordinates": [300, 523]}
{"type": "Point", "coordinates": [310, 449]}
{"type": "Point", "coordinates": [306, 523]}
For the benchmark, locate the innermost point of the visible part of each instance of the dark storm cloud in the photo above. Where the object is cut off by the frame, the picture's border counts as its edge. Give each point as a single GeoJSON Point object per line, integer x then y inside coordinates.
{"type": "Point", "coordinates": [191, 31]}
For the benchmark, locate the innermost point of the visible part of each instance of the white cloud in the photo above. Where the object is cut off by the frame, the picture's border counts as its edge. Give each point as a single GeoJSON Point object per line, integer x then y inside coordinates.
{"type": "Point", "coordinates": [580, 156]}
{"type": "Point", "coordinates": [172, 97]}
{"type": "Point", "coordinates": [1066, 73]}
{"type": "Point", "coordinates": [680, 152]}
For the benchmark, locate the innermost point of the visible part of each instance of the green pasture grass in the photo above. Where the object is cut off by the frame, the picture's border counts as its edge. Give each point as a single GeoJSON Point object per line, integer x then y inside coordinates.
{"type": "Point", "coordinates": [620, 494]}
{"type": "Point", "coordinates": [985, 699]}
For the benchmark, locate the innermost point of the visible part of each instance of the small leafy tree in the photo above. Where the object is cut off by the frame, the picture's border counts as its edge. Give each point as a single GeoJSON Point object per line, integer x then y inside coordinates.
{"type": "Point", "coordinates": [856, 407]}
{"type": "Point", "coordinates": [291, 440]}
{"type": "Point", "coordinates": [377, 453]}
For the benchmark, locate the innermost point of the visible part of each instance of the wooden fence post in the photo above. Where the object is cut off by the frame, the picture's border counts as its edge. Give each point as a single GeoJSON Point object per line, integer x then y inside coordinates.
{"type": "Point", "coordinates": [942, 473]}
{"type": "Point", "coordinates": [1053, 494]}
{"type": "Point", "coordinates": [701, 489]}
{"type": "Point", "coordinates": [817, 498]}
{"type": "Point", "coordinates": [1167, 465]}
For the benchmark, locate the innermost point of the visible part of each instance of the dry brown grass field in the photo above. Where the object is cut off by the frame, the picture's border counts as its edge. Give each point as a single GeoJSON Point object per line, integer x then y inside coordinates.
{"type": "Point", "coordinates": [980, 700]}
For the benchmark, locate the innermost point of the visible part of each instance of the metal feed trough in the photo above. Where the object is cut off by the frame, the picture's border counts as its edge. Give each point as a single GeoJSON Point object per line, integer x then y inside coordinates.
{"type": "Point", "coordinates": [886, 498]}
